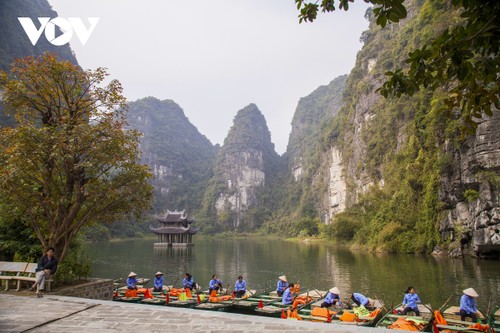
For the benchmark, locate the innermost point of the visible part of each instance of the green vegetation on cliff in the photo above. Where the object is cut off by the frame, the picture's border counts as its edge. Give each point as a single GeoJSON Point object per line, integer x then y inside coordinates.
{"type": "Point", "coordinates": [405, 142]}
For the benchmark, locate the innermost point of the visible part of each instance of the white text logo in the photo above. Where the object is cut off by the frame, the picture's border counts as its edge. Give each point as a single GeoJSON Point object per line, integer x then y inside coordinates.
{"type": "Point", "coordinates": [66, 25]}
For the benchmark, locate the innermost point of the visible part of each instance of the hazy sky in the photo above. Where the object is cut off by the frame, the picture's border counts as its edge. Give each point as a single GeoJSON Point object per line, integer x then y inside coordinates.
{"type": "Point", "coordinates": [215, 57]}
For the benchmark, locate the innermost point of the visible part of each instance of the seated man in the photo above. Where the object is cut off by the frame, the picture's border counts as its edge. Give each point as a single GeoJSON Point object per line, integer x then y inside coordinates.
{"type": "Point", "coordinates": [47, 266]}
{"type": "Point", "coordinates": [240, 287]}
{"type": "Point", "coordinates": [214, 284]}
{"type": "Point", "coordinates": [132, 281]}
{"type": "Point", "coordinates": [158, 282]}
{"type": "Point", "coordinates": [331, 298]}
{"type": "Point", "coordinates": [468, 305]}
{"type": "Point", "coordinates": [287, 295]}
{"type": "Point", "coordinates": [188, 282]}
{"type": "Point", "coordinates": [282, 285]}
{"type": "Point", "coordinates": [410, 302]}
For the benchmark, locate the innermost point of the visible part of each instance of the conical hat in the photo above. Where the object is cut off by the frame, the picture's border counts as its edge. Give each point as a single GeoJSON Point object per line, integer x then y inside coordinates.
{"type": "Point", "coordinates": [132, 274]}
{"type": "Point", "coordinates": [283, 278]}
{"type": "Point", "coordinates": [159, 273]}
{"type": "Point", "coordinates": [471, 292]}
{"type": "Point", "coordinates": [335, 291]}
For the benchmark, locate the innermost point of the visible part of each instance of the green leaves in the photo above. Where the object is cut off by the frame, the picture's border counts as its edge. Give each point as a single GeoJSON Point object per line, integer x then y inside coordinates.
{"type": "Point", "coordinates": [69, 162]}
{"type": "Point", "coordinates": [463, 59]}
{"type": "Point", "coordinates": [385, 10]}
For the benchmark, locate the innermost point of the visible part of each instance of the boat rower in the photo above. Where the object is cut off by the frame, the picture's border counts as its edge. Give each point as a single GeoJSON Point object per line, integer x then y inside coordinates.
{"type": "Point", "coordinates": [282, 285]}
{"type": "Point", "coordinates": [287, 295]}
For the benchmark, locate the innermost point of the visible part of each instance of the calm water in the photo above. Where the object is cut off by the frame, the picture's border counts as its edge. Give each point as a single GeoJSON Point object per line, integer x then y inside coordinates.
{"type": "Point", "coordinates": [315, 266]}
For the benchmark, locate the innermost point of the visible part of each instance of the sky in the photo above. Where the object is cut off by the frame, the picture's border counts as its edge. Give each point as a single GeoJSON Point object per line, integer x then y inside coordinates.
{"type": "Point", "coordinates": [213, 58]}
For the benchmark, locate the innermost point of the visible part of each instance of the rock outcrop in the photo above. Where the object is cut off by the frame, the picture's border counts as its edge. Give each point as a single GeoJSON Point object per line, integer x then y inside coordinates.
{"type": "Point", "coordinates": [470, 192]}
{"type": "Point", "coordinates": [178, 155]}
{"type": "Point", "coordinates": [244, 165]}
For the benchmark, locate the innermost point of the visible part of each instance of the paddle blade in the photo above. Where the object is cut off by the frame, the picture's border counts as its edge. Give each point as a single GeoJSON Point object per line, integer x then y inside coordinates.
{"type": "Point", "coordinates": [198, 299]}
{"type": "Point", "coordinates": [328, 316]}
{"type": "Point", "coordinates": [167, 299]}
{"type": "Point", "coordinates": [283, 315]}
{"type": "Point", "coordinates": [232, 295]}
{"type": "Point", "coordinates": [261, 305]}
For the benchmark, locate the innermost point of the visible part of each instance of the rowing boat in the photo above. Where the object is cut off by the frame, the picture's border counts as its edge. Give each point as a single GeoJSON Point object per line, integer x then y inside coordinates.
{"type": "Point", "coordinates": [395, 319]}
{"type": "Point", "coordinates": [494, 320]}
{"type": "Point", "coordinates": [453, 322]}
{"type": "Point", "coordinates": [346, 314]}
{"type": "Point", "coordinates": [276, 308]}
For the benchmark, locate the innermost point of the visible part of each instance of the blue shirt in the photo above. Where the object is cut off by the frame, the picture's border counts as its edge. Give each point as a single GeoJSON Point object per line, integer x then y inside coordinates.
{"type": "Point", "coordinates": [132, 282]}
{"type": "Point", "coordinates": [287, 297]}
{"type": "Point", "coordinates": [330, 297]}
{"type": "Point", "coordinates": [158, 281]}
{"type": "Point", "coordinates": [468, 304]}
{"type": "Point", "coordinates": [281, 285]}
{"type": "Point", "coordinates": [188, 283]}
{"type": "Point", "coordinates": [240, 286]}
{"type": "Point", "coordinates": [411, 300]}
{"type": "Point", "coordinates": [361, 298]}
{"type": "Point", "coordinates": [213, 283]}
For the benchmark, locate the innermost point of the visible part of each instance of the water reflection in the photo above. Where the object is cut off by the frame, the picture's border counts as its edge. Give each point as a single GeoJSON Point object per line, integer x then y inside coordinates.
{"type": "Point", "coordinates": [261, 261]}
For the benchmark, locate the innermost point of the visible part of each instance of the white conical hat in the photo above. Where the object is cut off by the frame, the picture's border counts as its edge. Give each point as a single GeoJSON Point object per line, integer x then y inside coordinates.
{"type": "Point", "coordinates": [283, 278]}
{"type": "Point", "coordinates": [470, 292]}
{"type": "Point", "coordinates": [159, 273]}
{"type": "Point", "coordinates": [335, 291]}
{"type": "Point", "coordinates": [132, 274]}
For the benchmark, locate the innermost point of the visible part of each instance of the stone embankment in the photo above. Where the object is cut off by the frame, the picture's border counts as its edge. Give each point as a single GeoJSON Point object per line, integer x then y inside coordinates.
{"type": "Point", "coordinates": [53, 313]}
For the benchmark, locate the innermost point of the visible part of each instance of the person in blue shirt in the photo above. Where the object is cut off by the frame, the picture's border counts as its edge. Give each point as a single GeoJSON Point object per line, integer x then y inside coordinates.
{"type": "Point", "coordinates": [158, 282]}
{"type": "Point", "coordinates": [240, 287]}
{"type": "Point", "coordinates": [287, 295]}
{"type": "Point", "coordinates": [282, 285]}
{"type": "Point", "coordinates": [332, 298]}
{"type": "Point", "coordinates": [410, 301]}
{"type": "Point", "coordinates": [188, 282]}
{"type": "Point", "coordinates": [468, 305]}
{"type": "Point", "coordinates": [360, 299]}
{"type": "Point", "coordinates": [214, 284]}
{"type": "Point", "coordinates": [132, 281]}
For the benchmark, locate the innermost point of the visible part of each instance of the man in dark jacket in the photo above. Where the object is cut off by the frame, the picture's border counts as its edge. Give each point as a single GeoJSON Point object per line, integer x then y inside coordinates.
{"type": "Point", "coordinates": [47, 266]}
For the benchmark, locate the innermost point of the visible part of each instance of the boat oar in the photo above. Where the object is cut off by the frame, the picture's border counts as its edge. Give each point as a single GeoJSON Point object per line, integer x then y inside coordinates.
{"type": "Point", "coordinates": [442, 306]}
{"type": "Point", "coordinates": [173, 285]}
{"type": "Point", "coordinates": [380, 301]}
{"type": "Point", "coordinates": [489, 307]}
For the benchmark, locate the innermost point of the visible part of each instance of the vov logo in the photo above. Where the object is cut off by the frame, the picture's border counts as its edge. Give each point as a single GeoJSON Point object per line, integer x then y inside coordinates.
{"type": "Point", "coordinates": [66, 25]}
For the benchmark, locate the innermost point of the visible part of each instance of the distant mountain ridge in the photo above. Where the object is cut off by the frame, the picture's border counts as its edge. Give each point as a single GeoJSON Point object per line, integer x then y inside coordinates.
{"type": "Point", "coordinates": [390, 174]}
{"type": "Point", "coordinates": [179, 156]}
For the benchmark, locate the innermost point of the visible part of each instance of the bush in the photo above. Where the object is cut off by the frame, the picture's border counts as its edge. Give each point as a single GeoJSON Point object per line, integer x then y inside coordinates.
{"type": "Point", "coordinates": [76, 266]}
{"type": "Point", "coordinates": [471, 195]}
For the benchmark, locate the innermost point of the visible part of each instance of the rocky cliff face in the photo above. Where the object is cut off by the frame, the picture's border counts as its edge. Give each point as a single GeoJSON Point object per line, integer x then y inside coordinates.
{"type": "Point", "coordinates": [243, 167]}
{"type": "Point", "coordinates": [178, 155]}
{"type": "Point", "coordinates": [312, 111]}
{"type": "Point", "coordinates": [470, 191]}
{"type": "Point", "coordinates": [310, 169]}
{"type": "Point", "coordinates": [469, 185]}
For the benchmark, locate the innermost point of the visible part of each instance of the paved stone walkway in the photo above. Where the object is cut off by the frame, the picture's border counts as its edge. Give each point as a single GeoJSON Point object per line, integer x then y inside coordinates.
{"type": "Point", "coordinates": [75, 315]}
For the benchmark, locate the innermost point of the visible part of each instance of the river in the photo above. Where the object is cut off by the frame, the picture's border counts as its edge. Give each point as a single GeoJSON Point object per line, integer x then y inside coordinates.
{"type": "Point", "coordinates": [313, 265]}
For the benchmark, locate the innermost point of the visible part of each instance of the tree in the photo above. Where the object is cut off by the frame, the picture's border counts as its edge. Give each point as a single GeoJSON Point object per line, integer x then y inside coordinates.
{"type": "Point", "coordinates": [463, 59]}
{"type": "Point", "coordinates": [70, 161]}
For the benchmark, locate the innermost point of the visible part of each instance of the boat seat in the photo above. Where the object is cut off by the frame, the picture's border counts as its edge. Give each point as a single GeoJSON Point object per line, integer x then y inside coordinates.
{"type": "Point", "coordinates": [457, 329]}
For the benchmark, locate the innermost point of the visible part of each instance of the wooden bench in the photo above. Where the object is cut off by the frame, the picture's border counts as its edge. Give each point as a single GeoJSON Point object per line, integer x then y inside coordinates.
{"type": "Point", "coordinates": [20, 271]}
{"type": "Point", "coordinates": [30, 276]}
{"type": "Point", "coordinates": [11, 270]}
